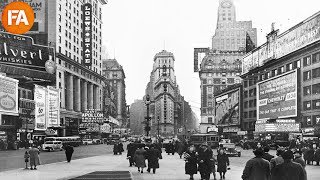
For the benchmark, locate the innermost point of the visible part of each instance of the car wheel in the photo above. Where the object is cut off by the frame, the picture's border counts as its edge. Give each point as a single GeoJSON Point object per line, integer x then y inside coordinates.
{"type": "Point", "coordinates": [239, 154]}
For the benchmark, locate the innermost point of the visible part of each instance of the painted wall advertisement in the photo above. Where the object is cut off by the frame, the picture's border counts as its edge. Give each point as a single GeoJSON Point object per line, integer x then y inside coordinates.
{"type": "Point", "coordinates": [40, 107]}
{"type": "Point", "coordinates": [53, 103]}
{"type": "Point", "coordinates": [277, 97]}
{"type": "Point", "coordinates": [8, 96]}
{"type": "Point", "coordinates": [227, 108]}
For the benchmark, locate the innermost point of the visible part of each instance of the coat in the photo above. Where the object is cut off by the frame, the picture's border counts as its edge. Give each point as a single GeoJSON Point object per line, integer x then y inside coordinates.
{"type": "Point", "coordinates": [267, 156]}
{"type": "Point", "coordinates": [256, 169]}
{"type": "Point", "coordinates": [223, 162]}
{"type": "Point", "coordinates": [131, 150]}
{"type": "Point", "coordinates": [276, 161]}
{"type": "Point", "coordinates": [205, 156]}
{"type": "Point", "coordinates": [34, 156]}
{"type": "Point", "coordinates": [301, 161]}
{"type": "Point", "coordinates": [288, 171]}
{"type": "Point", "coordinates": [180, 148]}
{"type": "Point", "coordinates": [140, 158]}
{"type": "Point", "coordinates": [170, 148]}
{"type": "Point", "coordinates": [191, 166]}
{"type": "Point", "coordinates": [309, 155]}
{"type": "Point", "coordinates": [317, 155]}
{"type": "Point", "coordinates": [153, 156]}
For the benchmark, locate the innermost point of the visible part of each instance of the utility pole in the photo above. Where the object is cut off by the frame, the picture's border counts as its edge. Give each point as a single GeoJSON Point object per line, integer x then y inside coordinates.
{"type": "Point", "coordinates": [147, 127]}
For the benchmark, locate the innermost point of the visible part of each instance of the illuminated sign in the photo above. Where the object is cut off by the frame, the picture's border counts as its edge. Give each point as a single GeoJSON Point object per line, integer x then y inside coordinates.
{"type": "Point", "coordinates": [92, 116]}
{"type": "Point", "coordinates": [20, 50]}
{"type": "Point", "coordinates": [40, 97]}
{"type": "Point", "coordinates": [277, 97]}
{"type": "Point", "coordinates": [87, 34]}
{"type": "Point", "coordinates": [227, 108]}
{"type": "Point", "coordinates": [53, 106]}
{"type": "Point", "coordinates": [277, 127]}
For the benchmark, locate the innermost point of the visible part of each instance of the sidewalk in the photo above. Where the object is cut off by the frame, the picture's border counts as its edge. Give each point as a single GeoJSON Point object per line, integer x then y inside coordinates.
{"type": "Point", "coordinates": [171, 167]}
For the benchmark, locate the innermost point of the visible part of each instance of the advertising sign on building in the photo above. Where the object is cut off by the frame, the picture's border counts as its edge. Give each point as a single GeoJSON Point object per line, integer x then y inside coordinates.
{"type": "Point", "coordinates": [227, 108]}
{"type": "Point", "coordinates": [40, 107]}
{"type": "Point", "coordinates": [87, 34]}
{"type": "Point", "coordinates": [53, 103]}
{"type": "Point", "coordinates": [277, 97]}
{"type": "Point", "coordinates": [92, 116]}
{"type": "Point", "coordinates": [279, 126]}
{"type": "Point", "coordinates": [39, 8]}
{"type": "Point", "coordinates": [197, 52]}
{"type": "Point", "coordinates": [18, 50]}
{"type": "Point", "coordinates": [26, 113]}
{"type": "Point", "coordinates": [8, 96]}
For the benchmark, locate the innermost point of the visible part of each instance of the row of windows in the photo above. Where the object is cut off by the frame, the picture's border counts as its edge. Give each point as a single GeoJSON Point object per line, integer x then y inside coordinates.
{"type": "Point", "coordinates": [309, 105]}
{"type": "Point", "coordinates": [250, 114]}
{"type": "Point", "coordinates": [314, 72]}
{"type": "Point", "coordinates": [312, 59]}
{"type": "Point", "coordinates": [25, 93]}
{"type": "Point", "coordinates": [224, 74]}
{"type": "Point", "coordinates": [250, 93]}
{"type": "Point", "coordinates": [220, 81]}
{"type": "Point", "coordinates": [311, 120]}
{"type": "Point", "coordinates": [249, 104]}
{"type": "Point", "coordinates": [314, 89]}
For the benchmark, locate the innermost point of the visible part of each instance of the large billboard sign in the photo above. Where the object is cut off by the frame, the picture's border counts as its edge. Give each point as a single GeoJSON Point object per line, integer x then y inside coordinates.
{"type": "Point", "coordinates": [281, 125]}
{"type": "Point", "coordinates": [8, 96]}
{"type": "Point", "coordinates": [40, 94]}
{"type": "Point", "coordinates": [18, 50]}
{"type": "Point", "coordinates": [53, 107]}
{"type": "Point", "coordinates": [277, 97]}
{"type": "Point", "coordinates": [26, 113]}
{"type": "Point", "coordinates": [87, 34]}
{"type": "Point", "coordinates": [92, 116]}
{"type": "Point", "coordinates": [227, 108]}
{"type": "Point", "coordinates": [197, 54]}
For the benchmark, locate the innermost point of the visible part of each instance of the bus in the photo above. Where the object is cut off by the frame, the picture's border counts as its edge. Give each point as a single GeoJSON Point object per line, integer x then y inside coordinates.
{"type": "Point", "coordinates": [72, 140]}
{"type": "Point", "coordinates": [211, 139]}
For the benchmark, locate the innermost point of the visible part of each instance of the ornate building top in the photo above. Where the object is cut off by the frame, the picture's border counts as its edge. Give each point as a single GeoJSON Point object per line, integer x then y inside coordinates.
{"type": "Point", "coordinates": [163, 53]}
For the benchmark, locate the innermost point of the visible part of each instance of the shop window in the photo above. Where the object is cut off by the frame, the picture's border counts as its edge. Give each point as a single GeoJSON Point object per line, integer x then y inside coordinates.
{"type": "Point", "coordinates": [306, 75]}
{"type": "Point", "coordinates": [316, 73]}
{"type": "Point", "coordinates": [316, 104]}
{"type": "Point", "coordinates": [306, 90]}
{"type": "Point", "coordinates": [306, 61]}
{"type": "Point", "coordinates": [316, 89]}
{"type": "Point", "coordinates": [316, 58]}
{"type": "Point", "coordinates": [307, 105]}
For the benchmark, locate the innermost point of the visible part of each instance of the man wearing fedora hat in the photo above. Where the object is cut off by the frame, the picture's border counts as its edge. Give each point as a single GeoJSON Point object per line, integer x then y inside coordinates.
{"type": "Point", "coordinates": [257, 168]}
{"type": "Point", "coordinates": [205, 154]}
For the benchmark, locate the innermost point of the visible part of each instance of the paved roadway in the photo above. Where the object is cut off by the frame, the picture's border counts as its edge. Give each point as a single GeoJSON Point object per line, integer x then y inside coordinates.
{"type": "Point", "coordinates": [13, 159]}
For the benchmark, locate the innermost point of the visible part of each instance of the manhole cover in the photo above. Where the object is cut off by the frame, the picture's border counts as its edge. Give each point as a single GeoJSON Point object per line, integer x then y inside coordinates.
{"type": "Point", "coordinates": [105, 175]}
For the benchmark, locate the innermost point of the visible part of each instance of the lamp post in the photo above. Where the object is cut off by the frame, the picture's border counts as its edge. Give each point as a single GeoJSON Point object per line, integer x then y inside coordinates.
{"type": "Point", "coordinates": [158, 127]}
{"type": "Point", "coordinates": [147, 127]}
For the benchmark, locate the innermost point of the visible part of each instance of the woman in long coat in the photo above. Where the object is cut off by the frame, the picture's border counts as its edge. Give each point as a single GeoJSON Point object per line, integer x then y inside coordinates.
{"type": "Point", "coordinates": [69, 151]}
{"type": "Point", "coordinates": [153, 156]}
{"type": "Point", "coordinates": [140, 158]}
{"type": "Point", "coordinates": [223, 162]}
{"type": "Point", "coordinates": [191, 166]}
{"type": "Point", "coordinates": [34, 157]}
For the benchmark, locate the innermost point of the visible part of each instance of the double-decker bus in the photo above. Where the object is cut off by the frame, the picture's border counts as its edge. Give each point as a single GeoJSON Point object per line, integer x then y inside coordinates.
{"type": "Point", "coordinates": [72, 140]}
{"type": "Point", "coordinates": [211, 139]}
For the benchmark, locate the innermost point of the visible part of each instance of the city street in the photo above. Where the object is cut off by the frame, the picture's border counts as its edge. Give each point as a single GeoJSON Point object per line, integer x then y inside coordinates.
{"type": "Point", "coordinates": [14, 159]}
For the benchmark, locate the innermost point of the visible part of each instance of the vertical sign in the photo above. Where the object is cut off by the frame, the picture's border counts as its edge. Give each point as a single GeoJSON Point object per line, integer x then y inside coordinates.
{"type": "Point", "coordinates": [87, 34]}
{"type": "Point", "coordinates": [40, 109]}
{"type": "Point", "coordinates": [53, 107]}
{"type": "Point", "coordinates": [8, 96]}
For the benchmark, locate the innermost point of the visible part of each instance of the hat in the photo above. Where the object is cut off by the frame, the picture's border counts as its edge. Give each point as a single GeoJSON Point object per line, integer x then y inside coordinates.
{"type": "Point", "coordinates": [258, 152]}
{"type": "Point", "coordinates": [204, 144]}
{"type": "Point", "coordinates": [288, 154]}
{"type": "Point", "coordinates": [280, 151]}
{"type": "Point", "coordinates": [297, 151]}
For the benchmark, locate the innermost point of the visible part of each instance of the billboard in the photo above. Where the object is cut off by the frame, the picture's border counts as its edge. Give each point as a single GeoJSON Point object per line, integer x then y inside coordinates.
{"type": "Point", "coordinates": [8, 96]}
{"type": "Point", "coordinates": [87, 34]}
{"type": "Point", "coordinates": [277, 97]}
{"type": "Point", "coordinates": [40, 107]}
{"type": "Point", "coordinates": [92, 116]}
{"type": "Point", "coordinates": [281, 125]}
{"type": "Point", "coordinates": [26, 113]}
{"type": "Point", "coordinates": [197, 52]}
{"type": "Point", "coordinates": [18, 50]}
{"type": "Point", "coordinates": [227, 108]}
{"type": "Point", "coordinates": [53, 106]}
{"type": "Point", "coordinates": [39, 9]}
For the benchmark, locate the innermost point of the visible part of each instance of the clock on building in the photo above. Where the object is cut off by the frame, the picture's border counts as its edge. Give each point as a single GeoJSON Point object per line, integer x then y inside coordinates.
{"type": "Point", "coordinates": [226, 4]}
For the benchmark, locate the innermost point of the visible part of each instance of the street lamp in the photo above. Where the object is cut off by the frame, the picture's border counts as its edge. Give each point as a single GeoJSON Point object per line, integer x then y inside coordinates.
{"type": "Point", "coordinates": [147, 127]}
{"type": "Point", "coordinates": [158, 127]}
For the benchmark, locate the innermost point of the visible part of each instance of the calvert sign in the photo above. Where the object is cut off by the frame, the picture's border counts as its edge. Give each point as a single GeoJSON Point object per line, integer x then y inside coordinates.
{"type": "Point", "coordinates": [277, 97]}
{"type": "Point", "coordinates": [18, 50]}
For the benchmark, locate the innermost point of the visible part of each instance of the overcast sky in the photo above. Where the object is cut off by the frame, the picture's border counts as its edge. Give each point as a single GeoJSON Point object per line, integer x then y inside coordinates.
{"type": "Point", "coordinates": [135, 30]}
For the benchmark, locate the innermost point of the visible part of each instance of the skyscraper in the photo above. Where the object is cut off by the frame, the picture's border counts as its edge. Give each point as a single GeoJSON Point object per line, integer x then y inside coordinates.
{"type": "Point", "coordinates": [221, 65]}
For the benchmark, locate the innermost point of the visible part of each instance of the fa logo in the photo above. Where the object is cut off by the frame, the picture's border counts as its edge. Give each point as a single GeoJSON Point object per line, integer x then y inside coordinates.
{"type": "Point", "coordinates": [17, 17]}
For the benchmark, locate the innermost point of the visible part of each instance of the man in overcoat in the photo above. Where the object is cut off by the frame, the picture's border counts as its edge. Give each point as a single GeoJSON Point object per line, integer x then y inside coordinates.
{"type": "Point", "coordinates": [153, 156]}
{"type": "Point", "coordinates": [204, 161]}
{"type": "Point", "coordinates": [257, 168]}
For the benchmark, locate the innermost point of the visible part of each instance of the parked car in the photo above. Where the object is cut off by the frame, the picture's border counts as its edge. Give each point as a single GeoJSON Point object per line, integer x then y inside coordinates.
{"type": "Point", "coordinates": [87, 141]}
{"type": "Point", "coordinates": [233, 152]}
{"type": "Point", "coordinates": [52, 146]}
{"type": "Point", "coordinates": [96, 141]}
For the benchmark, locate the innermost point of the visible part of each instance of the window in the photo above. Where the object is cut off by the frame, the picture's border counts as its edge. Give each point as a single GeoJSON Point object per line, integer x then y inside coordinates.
{"type": "Point", "coordinates": [289, 66]}
{"type": "Point", "coordinates": [316, 104]}
{"type": "Point", "coordinates": [245, 114]}
{"type": "Point", "coordinates": [316, 58]}
{"type": "Point", "coordinates": [209, 89]}
{"type": "Point", "coordinates": [306, 61]}
{"type": "Point", "coordinates": [60, 39]}
{"type": "Point", "coordinates": [209, 96]}
{"type": "Point", "coordinates": [246, 104]}
{"type": "Point", "coordinates": [204, 81]}
{"type": "Point", "coordinates": [210, 81]}
{"type": "Point", "coordinates": [306, 75]}
{"type": "Point", "coordinates": [59, 18]}
{"type": "Point", "coordinates": [210, 120]}
{"type": "Point", "coordinates": [59, 49]}
{"type": "Point", "coordinates": [307, 105]}
{"type": "Point", "coordinates": [251, 103]}
{"type": "Point", "coordinates": [316, 89]}
{"type": "Point", "coordinates": [316, 119]}
{"type": "Point", "coordinates": [307, 120]}
{"type": "Point", "coordinates": [251, 92]}
{"type": "Point", "coordinates": [210, 104]}
{"type": "Point", "coordinates": [306, 90]}
{"type": "Point", "coordinates": [59, 28]}
{"type": "Point", "coordinates": [210, 74]}
{"type": "Point", "coordinates": [280, 70]}
{"type": "Point", "coordinates": [245, 94]}
{"type": "Point", "coordinates": [316, 73]}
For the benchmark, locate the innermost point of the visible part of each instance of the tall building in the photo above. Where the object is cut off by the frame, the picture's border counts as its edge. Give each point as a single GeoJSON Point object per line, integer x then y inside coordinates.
{"type": "Point", "coordinates": [137, 114]}
{"type": "Point", "coordinates": [221, 65]}
{"type": "Point", "coordinates": [115, 77]}
{"type": "Point", "coordinates": [69, 32]}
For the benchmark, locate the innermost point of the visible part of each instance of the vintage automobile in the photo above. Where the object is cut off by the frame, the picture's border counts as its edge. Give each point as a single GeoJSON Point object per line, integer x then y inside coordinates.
{"type": "Point", "coordinates": [87, 141]}
{"type": "Point", "coordinates": [233, 152]}
{"type": "Point", "coordinates": [52, 146]}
